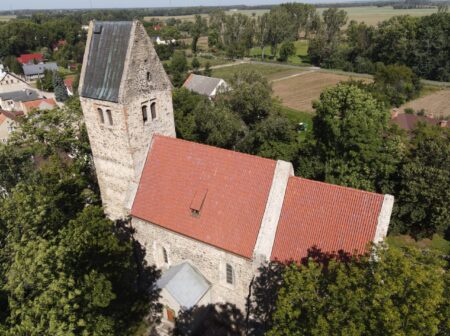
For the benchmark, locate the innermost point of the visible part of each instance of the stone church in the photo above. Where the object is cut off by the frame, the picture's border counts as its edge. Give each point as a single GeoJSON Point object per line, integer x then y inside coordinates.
{"type": "Point", "coordinates": [208, 217]}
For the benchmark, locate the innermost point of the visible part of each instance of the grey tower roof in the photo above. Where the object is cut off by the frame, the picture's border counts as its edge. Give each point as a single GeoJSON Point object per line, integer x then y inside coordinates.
{"type": "Point", "coordinates": [185, 284]}
{"type": "Point", "coordinates": [106, 60]}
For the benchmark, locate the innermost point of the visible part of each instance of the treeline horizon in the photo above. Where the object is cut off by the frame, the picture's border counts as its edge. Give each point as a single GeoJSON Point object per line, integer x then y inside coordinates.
{"type": "Point", "coordinates": [190, 10]}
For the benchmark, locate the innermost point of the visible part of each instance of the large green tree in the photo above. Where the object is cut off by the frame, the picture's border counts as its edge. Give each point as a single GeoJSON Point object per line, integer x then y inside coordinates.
{"type": "Point", "coordinates": [424, 189]}
{"type": "Point", "coordinates": [350, 144]}
{"type": "Point", "coordinates": [64, 268]}
{"type": "Point", "coordinates": [395, 292]}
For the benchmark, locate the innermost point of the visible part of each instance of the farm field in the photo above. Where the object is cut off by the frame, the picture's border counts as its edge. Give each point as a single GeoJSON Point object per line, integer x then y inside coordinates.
{"type": "Point", "coordinates": [436, 103]}
{"type": "Point", "coordinates": [269, 71]}
{"type": "Point", "coordinates": [369, 14]}
{"type": "Point", "coordinates": [299, 92]}
{"type": "Point", "coordinates": [4, 18]}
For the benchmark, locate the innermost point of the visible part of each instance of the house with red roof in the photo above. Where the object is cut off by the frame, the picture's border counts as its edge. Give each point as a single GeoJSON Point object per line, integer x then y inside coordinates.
{"type": "Point", "coordinates": [207, 217]}
{"type": "Point", "coordinates": [31, 58]}
{"type": "Point", "coordinates": [38, 104]}
{"type": "Point", "coordinates": [8, 123]}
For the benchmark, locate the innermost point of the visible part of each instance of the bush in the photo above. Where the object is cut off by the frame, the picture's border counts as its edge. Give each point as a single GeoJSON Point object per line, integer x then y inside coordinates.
{"type": "Point", "coordinates": [409, 110]}
{"type": "Point", "coordinates": [287, 49]}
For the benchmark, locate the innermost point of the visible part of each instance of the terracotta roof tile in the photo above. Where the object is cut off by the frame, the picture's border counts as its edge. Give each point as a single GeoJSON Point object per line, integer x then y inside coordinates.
{"type": "Point", "coordinates": [327, 216]}
{"type": "Point", "coordinates": [36, 103]}
{"type": "Point", "coordinates": [237, 186]}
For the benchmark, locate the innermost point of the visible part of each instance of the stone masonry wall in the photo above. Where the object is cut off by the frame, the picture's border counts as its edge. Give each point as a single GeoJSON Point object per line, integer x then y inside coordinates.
{"type": "Point", "coordinates": [120, 148]}
{"type": "Point", "coordinates": [209, 260]}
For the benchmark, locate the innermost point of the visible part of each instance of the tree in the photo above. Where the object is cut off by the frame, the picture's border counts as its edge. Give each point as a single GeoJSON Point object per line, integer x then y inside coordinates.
{"type": "Point", "coordinates": [13, 65]}
{"type": "Point", "coordinates": [195, 64]}
{"type": "Point", "coordinates": [47, 81]}
{"type": "Point", "coordinates": [250, 96]}
{"type": "Point", "coordinates": [400, 292]}
{"type": "Point", "coordinates": [59, 88]}
{"type": "Point", "coordinates": [350, 142]}
{"type": "Point", "coordinates": [398, 83]}
{"type": "Point", "coordinates": [281, 28]}
{"type": "Point", "coordinates": [424, 189]}
{"type": "Point", "coordinates": [324, 47]}
{"type": "Point", "coordinates": [178, 68]}
{"type": "Point", "coordinates": [207, 71]}
{"type": "Point", "coordinates": [197, 30]}
{"type": "Point", "coordinates": [287, 49]}
{"type": "Point", "coordinates": [64, 267]}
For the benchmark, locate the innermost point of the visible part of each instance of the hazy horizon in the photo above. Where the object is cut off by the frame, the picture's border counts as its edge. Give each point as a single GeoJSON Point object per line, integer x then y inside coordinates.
{"type": "Point", "coordinates": [52, 4]}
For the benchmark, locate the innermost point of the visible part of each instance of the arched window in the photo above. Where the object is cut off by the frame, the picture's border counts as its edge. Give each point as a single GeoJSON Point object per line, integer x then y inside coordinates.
{"type": "Point", "coordinates": [153, 110]}
{"type": "Point", "coordinates": [230, 275]}
{"type": "Point", "coordinates": [110, 119]}
{"type": "Point", "coordinates": [165, 256]}
{"type": "Point", "coordinates": [144, 113]}
{"type": "Point", "coordinates": [100, 116]}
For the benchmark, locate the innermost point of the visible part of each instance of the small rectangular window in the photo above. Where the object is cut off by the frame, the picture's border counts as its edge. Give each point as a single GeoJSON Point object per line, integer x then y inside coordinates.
{"type": "Point", "coordinates": [153, 110]}
{"type": "Point", "coordinates": [166, 257]}
{"type": "Point", "coordinates": [144, 113]}
{"type": "Point", "coordinates": [229, 274]}
{"type": "Point", "coordinates": [110, 119]}
{"type": "Point", "coordinates": [100, 116]}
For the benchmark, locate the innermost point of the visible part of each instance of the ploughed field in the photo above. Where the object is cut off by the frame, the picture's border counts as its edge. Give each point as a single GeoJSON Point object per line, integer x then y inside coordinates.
{"type": "Point", "coordinates": [436, 103]}
{"type": "Point", "coordinates": [300, 91]}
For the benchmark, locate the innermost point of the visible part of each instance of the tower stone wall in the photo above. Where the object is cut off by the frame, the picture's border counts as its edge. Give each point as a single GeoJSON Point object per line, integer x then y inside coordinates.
{"type": "Point", "coordinates": [120, 147]}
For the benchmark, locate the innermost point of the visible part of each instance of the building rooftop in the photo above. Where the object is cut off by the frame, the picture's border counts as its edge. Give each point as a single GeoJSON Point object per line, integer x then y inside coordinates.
{"type": "Point", "coordinates": [106, 60]}
{"type": "Point", "coordinates": [29, 58]}
{"type": "Point", "coordinates": [219, 197]}
{"type": "Point", "coordinates": [209, 194]}
{"type": "Point", "coordinates": [185, 284]}
{"type": "Point", "coordinates": [330, 217]}
{"type": "Point", "coordinates": [409, 121]}
{"type": "Point", "coordinates": [38, 69]}
{"type": "Point", "coordinates": [202, 84]}
{"type": "Point", "coordinates": [23, 95]}
{"type": "Point", "coordinates": [44, 103]}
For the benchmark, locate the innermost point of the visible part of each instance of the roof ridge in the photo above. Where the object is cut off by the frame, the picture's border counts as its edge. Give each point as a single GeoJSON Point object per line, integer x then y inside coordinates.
{"type": "Point", "coordinates": [214, 147]}
{"type": "Point", "coordinates": [338, 186]}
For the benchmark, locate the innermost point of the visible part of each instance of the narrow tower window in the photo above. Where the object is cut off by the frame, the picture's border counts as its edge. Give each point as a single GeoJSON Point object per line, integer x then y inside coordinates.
{"type": "Point", "coordinates": [144, 113]}
{"type": "Point", "coordinates": [100, 116]}
{"type": "Point", "coordinates": [230, 274]}
{"type": "Point", "coordinates": [110, 119]}
{"type": "Point", "coordinates": [148, 76]}
{"type": "Point", "coordinates": [153, 110]}
{"type": "Point", "coordinates": [165, 256]}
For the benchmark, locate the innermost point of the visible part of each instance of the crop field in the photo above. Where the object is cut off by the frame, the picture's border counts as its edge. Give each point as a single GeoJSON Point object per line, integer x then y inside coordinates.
{"type": "Point", "coordinates": [4, 18]}
{"type": "Point", "coordinates": [271, 72]}
{"type": "Point", "coordinates": [369, 14]}
{"type": "Point", "coordinates": [299, 92]}
{"type": "Point", "coordinates": [436, 103]}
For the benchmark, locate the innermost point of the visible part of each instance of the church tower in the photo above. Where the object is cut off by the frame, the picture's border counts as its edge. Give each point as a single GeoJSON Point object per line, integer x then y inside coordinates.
{"type": "Point", "coordinates": [126, 97]}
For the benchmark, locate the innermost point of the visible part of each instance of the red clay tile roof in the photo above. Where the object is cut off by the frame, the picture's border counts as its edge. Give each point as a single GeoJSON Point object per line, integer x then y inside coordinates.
{"type": "Point", "coordinates": [36, 103]}
{"type": "Point", "coordinates": [27, 58]}
{"type": "Point", "coordinates": [2, 118]}
{"type": "Point", "coordinates": [237, 187]}
{"type": "Point", "coordinates": [330, 217]}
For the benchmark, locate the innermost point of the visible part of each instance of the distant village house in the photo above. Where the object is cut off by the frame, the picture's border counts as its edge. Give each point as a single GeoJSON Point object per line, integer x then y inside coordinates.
{"type": "Point", "coordinates": [36, 71]}
{"type": "Point", "coordinates": [203, 85]}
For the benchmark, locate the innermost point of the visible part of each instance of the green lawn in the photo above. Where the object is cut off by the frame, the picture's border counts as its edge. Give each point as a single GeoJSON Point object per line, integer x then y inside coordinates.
{"type": "Point", "coordinates": [266, 70]}
{"type": "Point", "coordinates": [300, 58]}
{"type": "Point", "coordinates": [435, 243]}
{"type": "Point", "coordinates": [298, 116]}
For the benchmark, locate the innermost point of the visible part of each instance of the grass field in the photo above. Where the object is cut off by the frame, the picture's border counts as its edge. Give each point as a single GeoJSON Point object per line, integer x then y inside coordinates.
{"type": "Point", "coordinates": [300, 58]}
{"type": "Point", "coordinates": [369, 14]}
{"type": "Point", "coordinates": [435, 243]}
{"type": "Point", "coordinates": [4, 18]}
{"type": "Point", "coordinates": [436, 103]}
{"type": "Point", "coordinates": [271, 72]}
{"type": "Point", "coordinates": [299, 92]}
